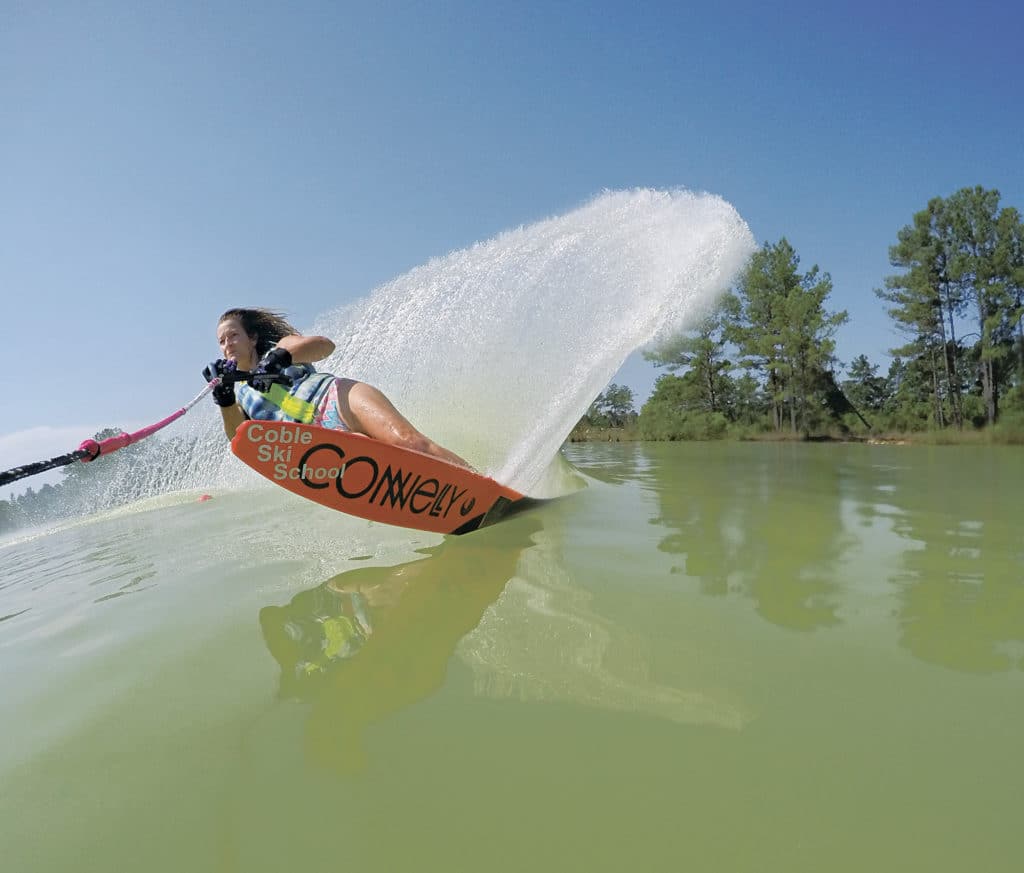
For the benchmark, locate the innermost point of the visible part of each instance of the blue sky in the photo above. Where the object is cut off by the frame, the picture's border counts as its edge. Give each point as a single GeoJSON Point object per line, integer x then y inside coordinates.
{"type": "Point", "coordinates": [160, 162]}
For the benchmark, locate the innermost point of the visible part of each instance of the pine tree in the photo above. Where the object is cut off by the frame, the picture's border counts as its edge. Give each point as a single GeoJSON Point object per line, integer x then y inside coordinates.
{"type": "Point", "coordinates": [703, 354]}
{"type": "Point", "coordinates": [782, 329]}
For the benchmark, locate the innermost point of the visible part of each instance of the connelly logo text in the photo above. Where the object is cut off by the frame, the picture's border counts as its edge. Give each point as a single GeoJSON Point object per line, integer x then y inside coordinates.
{"type": "Point", "coordinates": [357, 477]}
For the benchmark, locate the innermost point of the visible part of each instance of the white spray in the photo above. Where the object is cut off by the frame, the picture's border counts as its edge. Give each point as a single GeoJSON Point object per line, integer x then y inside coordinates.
{"type": "Point", "coordinates": [495, 351]}
{"type": "Point", "coordinates": [498, 350]}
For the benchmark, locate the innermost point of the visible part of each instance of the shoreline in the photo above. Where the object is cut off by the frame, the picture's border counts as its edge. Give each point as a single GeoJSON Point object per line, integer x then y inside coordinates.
{"type": "Point", "coordinates": [981, 438]}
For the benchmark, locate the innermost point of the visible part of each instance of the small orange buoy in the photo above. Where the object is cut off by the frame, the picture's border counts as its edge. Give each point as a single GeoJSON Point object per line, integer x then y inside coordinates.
{"type": "Point", "coordinates": [205, 497]}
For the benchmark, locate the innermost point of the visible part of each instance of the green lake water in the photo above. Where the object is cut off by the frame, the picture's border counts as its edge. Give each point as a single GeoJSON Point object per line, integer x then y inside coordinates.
{"type": "Point", "coordinates": [714, 657]}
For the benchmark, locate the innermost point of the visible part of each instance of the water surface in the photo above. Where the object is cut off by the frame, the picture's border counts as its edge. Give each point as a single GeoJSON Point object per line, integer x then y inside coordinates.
{"type": "Point", "coordinates": [714, 657]}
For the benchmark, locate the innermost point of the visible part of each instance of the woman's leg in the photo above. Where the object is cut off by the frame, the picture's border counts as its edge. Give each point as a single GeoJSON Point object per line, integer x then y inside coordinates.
{"type": "Point", "coordinates": [366, 410]}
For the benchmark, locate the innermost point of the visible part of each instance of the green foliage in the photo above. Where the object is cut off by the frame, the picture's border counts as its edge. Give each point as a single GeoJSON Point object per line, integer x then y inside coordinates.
{"type": "Point", "coordinates": [977, 270]}
{"type": "Point", "coordinates": [703, 354]}
{"type": "Point", "coordinates": [908, 401]}
{"type": "Point", "coordinates": [749, 405]}
{"type": "Point", "coordinates": [764, 360]}
{"type": "Point", "coordinates": [927, 303]}
{"type": "Point", "coordinates": [661, 417]}
{"type": "Point", "coordinates": [962, 258]}
{"type": "Point", "coordinates": [614, 407]}
{"type": "Point", "coordinates": [779, 323]}
{"type": "Point", "coordinates": [671, 413]}
{"type": "Point", "coordinates": [1010, 428]}
{"type": "Point", "coordinates": [865, 388]}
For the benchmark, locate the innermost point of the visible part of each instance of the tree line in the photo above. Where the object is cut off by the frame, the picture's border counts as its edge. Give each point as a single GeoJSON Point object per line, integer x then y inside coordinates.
{"type": "Point", "coordinates": [764, 359]}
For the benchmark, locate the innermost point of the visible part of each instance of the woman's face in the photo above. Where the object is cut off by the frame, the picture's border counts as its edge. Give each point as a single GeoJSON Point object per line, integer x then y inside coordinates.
{"type": "Point", "coordinates": [236, 345]}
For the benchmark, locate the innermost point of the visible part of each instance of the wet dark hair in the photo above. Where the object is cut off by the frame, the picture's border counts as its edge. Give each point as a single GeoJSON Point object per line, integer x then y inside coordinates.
{"type": "Point", "coordinates": [266, 325]}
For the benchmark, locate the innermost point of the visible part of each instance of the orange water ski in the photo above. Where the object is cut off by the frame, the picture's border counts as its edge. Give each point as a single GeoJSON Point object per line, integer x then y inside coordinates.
{"type": "Point", "coordinates": [361, 476]}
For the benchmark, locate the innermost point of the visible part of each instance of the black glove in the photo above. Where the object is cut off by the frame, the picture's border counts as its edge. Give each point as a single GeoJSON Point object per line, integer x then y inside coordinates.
{"type": "Point", "coordinates": [269, 369]}
{"type": "Point", "coordinates": [223, 394]}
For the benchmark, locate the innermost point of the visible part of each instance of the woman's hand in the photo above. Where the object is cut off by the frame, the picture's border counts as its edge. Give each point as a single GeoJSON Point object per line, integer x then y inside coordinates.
{"type": "Point", "coordinates": [270, 367]}
{"type": "Point", "coordinates": [224, 393]}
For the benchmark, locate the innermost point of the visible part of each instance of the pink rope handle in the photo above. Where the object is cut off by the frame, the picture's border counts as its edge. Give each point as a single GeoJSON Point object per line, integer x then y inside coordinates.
{"type": "Point", "coordinates": [119, 441]}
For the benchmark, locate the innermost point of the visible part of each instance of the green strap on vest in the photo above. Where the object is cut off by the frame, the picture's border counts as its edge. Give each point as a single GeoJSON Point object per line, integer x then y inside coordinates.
{"type": "Point", "coordinates": [300, 410]}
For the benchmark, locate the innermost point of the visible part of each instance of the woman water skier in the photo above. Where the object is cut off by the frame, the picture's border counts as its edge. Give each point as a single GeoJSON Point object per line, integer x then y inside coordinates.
{"type": "Point", "coordinates": [263, 342]}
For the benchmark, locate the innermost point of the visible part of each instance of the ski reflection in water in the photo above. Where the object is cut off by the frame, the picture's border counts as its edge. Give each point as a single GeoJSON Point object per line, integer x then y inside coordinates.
{"type": "Point", "coordinates": [371, 641]}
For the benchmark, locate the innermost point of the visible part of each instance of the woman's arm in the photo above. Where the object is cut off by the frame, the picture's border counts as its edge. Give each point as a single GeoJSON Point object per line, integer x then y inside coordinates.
{"type": "Point", "coordinates": [306, 349]}
{"type": "Point", "coordinates": [233, 417]}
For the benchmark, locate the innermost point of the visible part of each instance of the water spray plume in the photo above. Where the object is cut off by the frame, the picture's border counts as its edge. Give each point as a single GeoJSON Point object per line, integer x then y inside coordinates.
{"type": "Point", "coordinates": [497, 350]}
